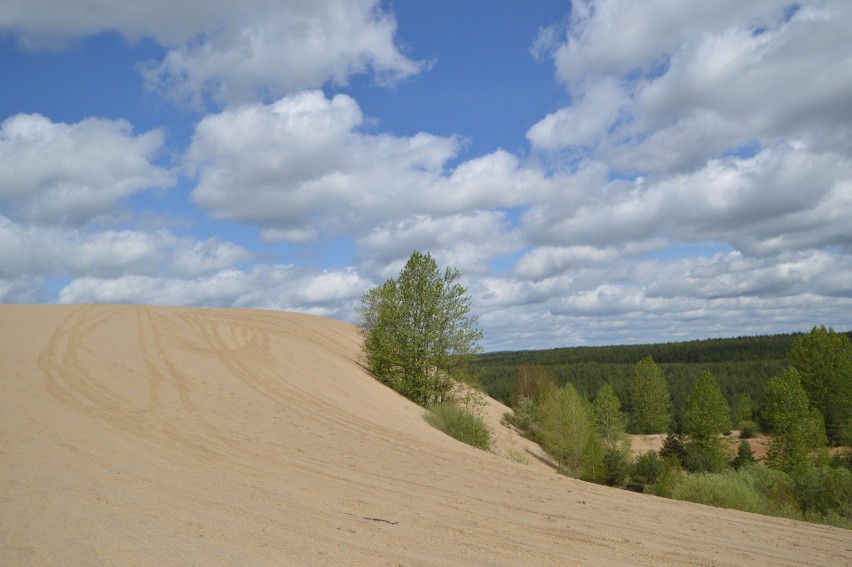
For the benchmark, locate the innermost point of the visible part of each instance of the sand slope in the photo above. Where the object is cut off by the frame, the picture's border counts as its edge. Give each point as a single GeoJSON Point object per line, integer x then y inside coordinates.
{"type": "Point", "coordinates": [162, 436]}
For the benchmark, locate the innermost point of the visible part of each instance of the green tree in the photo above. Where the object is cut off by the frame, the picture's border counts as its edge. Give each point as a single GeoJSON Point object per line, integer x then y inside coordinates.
{"type": "Point", "coordinates": [745, 456]}
{"type": "Point", "coordinates": [744, 408]}
{"type": "Point", "coordinates": [531, 382]}
{"type": "Point", "coordinates": [610, 421]}
{"type": "Point", "coordinates": [707, 415]}
{"type": "Point", "coordinates": [419, 335]}
{"type": "Point", "coordinates": [650, 399]}
{"type": "Point", "coordinates": [611, 425]}
{"type": "Point", "coordinates": [797, 428]}
{"type": "Point", "coordinates": [823, 359]}
{"type": "Point", "coordinates": [565, 429]}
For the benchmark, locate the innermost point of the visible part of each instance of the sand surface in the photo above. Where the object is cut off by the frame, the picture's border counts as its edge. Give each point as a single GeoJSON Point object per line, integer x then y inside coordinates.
{"type": "Point", "coordinates": [137, 435]}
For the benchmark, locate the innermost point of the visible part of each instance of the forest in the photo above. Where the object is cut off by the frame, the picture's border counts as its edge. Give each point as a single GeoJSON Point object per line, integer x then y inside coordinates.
{"type": "Point", "coordinates": [580, 405]}
{"type": "Point", "coordinates": [741, 365]}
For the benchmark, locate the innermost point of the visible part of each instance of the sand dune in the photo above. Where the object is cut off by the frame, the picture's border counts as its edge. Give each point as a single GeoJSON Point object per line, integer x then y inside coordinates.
{"type": "Point", "coordinates": [137, 435]}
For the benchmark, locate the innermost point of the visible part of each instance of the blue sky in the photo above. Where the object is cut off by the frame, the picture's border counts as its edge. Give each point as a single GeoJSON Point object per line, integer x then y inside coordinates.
{"type": "Point", "coordinates": [601, 171]}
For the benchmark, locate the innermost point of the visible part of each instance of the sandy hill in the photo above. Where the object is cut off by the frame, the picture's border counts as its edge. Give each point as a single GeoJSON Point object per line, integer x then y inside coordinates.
{"type": "Point", "coordinates": [162, 436]}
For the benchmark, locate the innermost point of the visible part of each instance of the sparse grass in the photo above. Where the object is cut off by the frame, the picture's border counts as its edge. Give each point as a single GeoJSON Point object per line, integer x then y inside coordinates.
{"type": "Point", "coordinates": [517, 456]}
{"type": "Point", "coordinates": [459, 424]}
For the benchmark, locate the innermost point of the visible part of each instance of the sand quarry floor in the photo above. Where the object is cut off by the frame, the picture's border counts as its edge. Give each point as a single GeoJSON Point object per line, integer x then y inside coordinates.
{"type": "Point", "coordinates": [137, 435]}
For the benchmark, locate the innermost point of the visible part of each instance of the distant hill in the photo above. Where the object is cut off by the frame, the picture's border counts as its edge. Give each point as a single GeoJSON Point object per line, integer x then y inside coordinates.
{"type": "Point", "coordinates": [740, 364]}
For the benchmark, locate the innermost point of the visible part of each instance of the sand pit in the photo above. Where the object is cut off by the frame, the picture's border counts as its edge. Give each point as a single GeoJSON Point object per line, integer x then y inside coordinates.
{"type": "Point", "coordinates": [137, 435]}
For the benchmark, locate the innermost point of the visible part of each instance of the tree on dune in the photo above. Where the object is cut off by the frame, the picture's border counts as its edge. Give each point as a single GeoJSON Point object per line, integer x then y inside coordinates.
{"type": "Point", "coordinates": [418, 332]}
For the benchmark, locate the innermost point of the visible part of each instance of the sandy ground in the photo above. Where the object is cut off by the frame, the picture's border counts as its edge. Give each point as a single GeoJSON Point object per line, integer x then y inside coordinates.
{"type": "Point", "coordinates": [160, 436]}
{"type": "Point", "coordinates": [643, 443]}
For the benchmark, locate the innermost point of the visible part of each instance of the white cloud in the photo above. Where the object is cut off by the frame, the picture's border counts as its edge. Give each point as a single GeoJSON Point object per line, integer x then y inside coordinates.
{"type": "Point", "coordinates": [300, 163]}
{"type": "Point", "coordinates": [300, 168]}
{"type": "Point", "coordinates": [37, 251]}
{"type": "Point", "coordinates": [40, 23]}
{"type": "Point", "coordinates": [642, 299]}
{"type": "Point", "coordinates": [787, 80]}
{"type": "Point", "coordinates": [331, 293]}
{"type": "Point", "coordinates": [57, 173]}
{"type": "Point", "coordinates": [595, 110]}
{"type": "Point", "coordinates": [619, 36]}
{"type": "Point", "coordinates": [736, 115]}
{"type": "Point", "coordinates": [702, 78]}
{"type": "Point", "coordinates": [230, 51]}
{"type": "Point", "coordinates": [22, 289]}
{"type": "Point", "coordinates": [465, 241]}
{"type": "Point", "coordinates": [783, 198]}
{"type": "Point", "coordinates": [323, 41]}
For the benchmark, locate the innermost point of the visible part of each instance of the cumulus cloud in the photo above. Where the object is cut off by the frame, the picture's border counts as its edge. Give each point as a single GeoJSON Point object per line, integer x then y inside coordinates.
{"type": "Point", "coordinates": [326, 41]}
{"type": "Point", "coordinates": [703, 78]}
{"type": "Point", "coordinates": [46, 23]}
{"type": "Point", "coordinates": [330, 293]}
{"type": "Point", "coordinates": [302, 157]}
{"type": "Point", "coordinates": [230, 51]}
{"type": "Point", "coordinates": [619, 37]}
{"type": "Point", "coordinates": [730, 122]}
{"type": "Point", "coordinates": [69, 174]}
{"type": "Point", "coordinates": [699, 182]}
{"type": "Point", "coordinates": [781, 199]}
{"type": "Point", "coordinates": [729, 132]}
{"type": "Point", "coordinates": [56, 252]}
{"type": "Point", "coordinates": [22, 289]}
{"type": "Point", "coordinates": [723, 294]}
{"type": "Point", "coordinates": [301, 168]}
{"type": "Point", "coordinates": [585, 122]}
{"type": "Point", "coordinates": [466, 241]}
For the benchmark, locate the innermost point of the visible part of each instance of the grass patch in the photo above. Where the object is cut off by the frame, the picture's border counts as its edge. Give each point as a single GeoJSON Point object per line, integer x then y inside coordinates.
{"type": "Point", "coordinates": [517, 456]}
{"type": "Point", "coordinates": [459, 424]}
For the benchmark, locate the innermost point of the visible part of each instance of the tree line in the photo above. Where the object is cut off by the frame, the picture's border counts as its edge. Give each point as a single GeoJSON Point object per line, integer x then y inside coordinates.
{"type": "Point", "coordinates": [741, 365]}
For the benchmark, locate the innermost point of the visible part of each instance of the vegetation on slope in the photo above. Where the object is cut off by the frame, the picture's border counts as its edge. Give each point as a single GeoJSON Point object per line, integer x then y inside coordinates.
{"type": "Point", "coordinates": [419, 338]}
{"type": "Point", "coordinates": [696, 462]}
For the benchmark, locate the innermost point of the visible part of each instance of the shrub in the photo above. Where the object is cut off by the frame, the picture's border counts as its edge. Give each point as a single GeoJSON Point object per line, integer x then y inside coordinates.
{"type": "Point", "coordinates": [459, 424]}
{"type": "Point", "coordinates": [616, 467]}
{"type": "Point", "coordinates": [674, 446]}
{"type": "Point", "coordinates": [775, 488]}
{"type": "Point", "coordinates": [708, 455]}
{"type": "Point", "coordinates": [723, 490]}
{"type": "Point", "coordinates": [525, 413]}
{"type": "Point", "coordinates": [669, 479]}
{"type": "Point", "coordinates": [842, 460]}
{"type": "Point", "coordinates": [748, 429]}
{"type": "Point", "coordinates": [745, 455]}
{"type": "Point", "coordinates": [646, 471]}
{"type": "Point", "coordinates": [825, 495]}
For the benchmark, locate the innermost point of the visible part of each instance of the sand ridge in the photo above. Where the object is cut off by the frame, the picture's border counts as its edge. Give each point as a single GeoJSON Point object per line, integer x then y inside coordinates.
{"type": "Point", "coordinates": [135, 435]}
